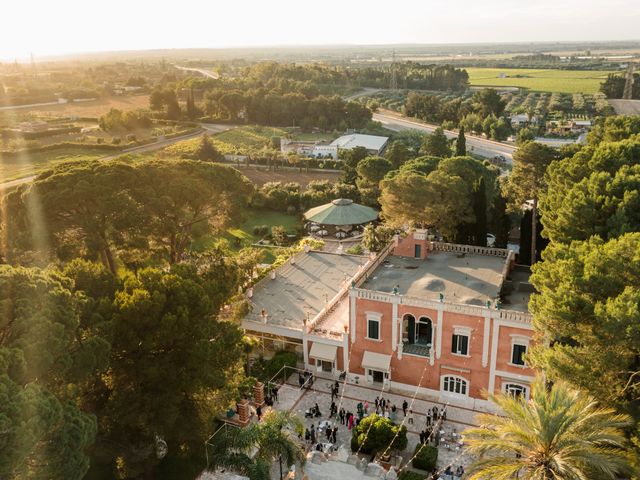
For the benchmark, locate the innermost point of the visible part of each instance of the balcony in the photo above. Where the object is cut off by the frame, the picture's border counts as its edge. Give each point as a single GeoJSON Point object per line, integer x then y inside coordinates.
{"type": "Point", "coordinates": [422, 350]}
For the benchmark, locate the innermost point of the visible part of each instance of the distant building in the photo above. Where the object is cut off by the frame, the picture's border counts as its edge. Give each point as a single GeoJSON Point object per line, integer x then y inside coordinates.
{"type": "Point", "coordinates": [374, 144]}
{"type": "Point", "coordinates": [309, 149]}
{"type": "Point", "coordinates": [522, 120]}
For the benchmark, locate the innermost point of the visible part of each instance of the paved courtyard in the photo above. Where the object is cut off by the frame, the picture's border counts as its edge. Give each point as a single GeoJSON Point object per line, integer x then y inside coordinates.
{"type": "Point", "coordinates": [297, 401]}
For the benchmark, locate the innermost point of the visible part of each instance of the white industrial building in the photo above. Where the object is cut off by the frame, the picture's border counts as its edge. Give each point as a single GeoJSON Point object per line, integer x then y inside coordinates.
{"type": "Point", "coordinates": [373, 143]}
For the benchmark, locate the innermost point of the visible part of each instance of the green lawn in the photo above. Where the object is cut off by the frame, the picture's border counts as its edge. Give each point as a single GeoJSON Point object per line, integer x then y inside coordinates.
{"type": "Point", "coordinates": [18, 166]}
{"type": "Point", "coordinates": [242, 236]}
{"type": "Point", "coordinates": [561, 81]}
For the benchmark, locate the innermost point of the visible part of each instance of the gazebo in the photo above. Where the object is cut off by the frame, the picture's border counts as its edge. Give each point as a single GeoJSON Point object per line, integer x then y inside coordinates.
{"type": "Point", "coordinates": [340, 218]}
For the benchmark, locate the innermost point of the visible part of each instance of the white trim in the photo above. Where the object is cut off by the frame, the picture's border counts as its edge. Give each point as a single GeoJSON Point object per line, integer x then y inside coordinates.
{"type": "Point", "coordinates": [514, 376]}
{"type": "Point", "coordinates": [461, 330]}
{"type": "Point", "coordinates": [467, 385]}
{"type": "Point", "coordinates": [376, 315]}
{"type": "Point", "coordinates": [394, 324]}
{"type": "Point", "coordinates": [373, 318]}
{"type": "Point", "coordinates": [345, 353]}
{"type": "Point", "coordinates": [494, 356]}
{"type": "Point", "coordinates": [520, 339]}
{"type": "Point", "coordinates": [352, 313]}
{"type": "Point", "coordinates": [439, 331]}
{"type": "Point", "coordinates": [525, 387]}
{"type": "Point", "coordinates": [485, 341]}
{"type": "Point", "coordinates": [305, 351]}
{"type": "Point", "coordinates": [461, 333]}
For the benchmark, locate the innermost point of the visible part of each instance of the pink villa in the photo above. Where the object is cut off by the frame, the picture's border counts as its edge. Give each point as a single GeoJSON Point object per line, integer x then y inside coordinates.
{"type": "Point", "coordinates": [448, 320]}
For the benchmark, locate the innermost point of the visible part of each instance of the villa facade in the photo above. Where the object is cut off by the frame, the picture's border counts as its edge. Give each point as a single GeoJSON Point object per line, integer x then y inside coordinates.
{"type": "Point", "coordinates": [449, 321]}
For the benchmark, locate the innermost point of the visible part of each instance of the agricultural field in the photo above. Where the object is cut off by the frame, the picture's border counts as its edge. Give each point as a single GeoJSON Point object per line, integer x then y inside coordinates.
{"type": "Point", "coordinates": [24, 165]}
{"type": "Point", "coordinates": [90, 109]}
{"type": "Point", "coordinates": [550, 80]}
{"type": "Point", "coordinates": [245, 140]}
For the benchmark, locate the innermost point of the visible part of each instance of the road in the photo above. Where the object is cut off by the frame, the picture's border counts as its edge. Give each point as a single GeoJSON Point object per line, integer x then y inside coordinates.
{"type": "Point", "coordinates": [479, 146]}
{"type": "Point", "coordinates": [151, 147]}
{"type": "Point", "coordinates": [201, 71]}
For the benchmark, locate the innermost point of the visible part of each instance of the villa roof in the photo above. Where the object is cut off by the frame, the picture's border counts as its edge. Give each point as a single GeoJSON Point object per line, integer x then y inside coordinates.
{"type": "Point", "coordinates": [341, 212]}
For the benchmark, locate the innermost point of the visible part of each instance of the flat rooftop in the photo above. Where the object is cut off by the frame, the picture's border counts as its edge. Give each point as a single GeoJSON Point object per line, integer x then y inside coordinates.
{"type": "Point", "coordinates": [470, 279]}
{"type": "Point", "coordinates": [370, 142]}
{"type": "Point", "coordinates": [300, 290]}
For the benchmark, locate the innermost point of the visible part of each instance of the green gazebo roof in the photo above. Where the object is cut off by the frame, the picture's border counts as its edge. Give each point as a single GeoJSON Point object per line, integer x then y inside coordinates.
{"type": "Point", "coordinates": [341, 212]}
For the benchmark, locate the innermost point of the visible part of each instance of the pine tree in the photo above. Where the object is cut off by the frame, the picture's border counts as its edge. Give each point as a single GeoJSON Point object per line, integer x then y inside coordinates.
{"type": "Point", "coordinates": [461, 143]}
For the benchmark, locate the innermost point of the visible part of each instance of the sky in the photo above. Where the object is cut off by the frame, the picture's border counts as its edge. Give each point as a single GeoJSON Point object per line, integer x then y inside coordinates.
{"type": "Point", "coordinates": [53, 27]}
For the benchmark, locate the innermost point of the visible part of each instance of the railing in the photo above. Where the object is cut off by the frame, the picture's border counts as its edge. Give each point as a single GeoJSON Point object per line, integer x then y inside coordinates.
{"type": "Point", "coordinates": [361, 275]}
{"type": "Point", "coordinates": [474, 310]}
{"type": "Point", "coordinates": [458, 248]}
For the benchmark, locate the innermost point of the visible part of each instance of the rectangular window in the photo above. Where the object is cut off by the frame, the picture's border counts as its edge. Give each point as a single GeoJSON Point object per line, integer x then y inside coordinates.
{"type": "Point", "coordinates": [517, 357]}
{"type": "Point", "coordinates": [373, 329]}
{"type": "Point", "coordinates": [460, 344]}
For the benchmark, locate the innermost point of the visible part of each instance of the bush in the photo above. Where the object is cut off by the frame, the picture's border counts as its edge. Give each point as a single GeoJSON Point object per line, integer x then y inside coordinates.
{"type": "Point", "coordinates": [426, 459]}
{"type": "Point", "coordinates": [381, 433]}
{"type": "Point", "coordinates": [260, 230]}
{"type": "Point", "coordinates": [409, 475]}
{"type": "Point", "coordinates": [356, 249]}
{"type": "Point", "coordinates": [279, 234]}
{"type": "Point", "coordinates": [264, 370]}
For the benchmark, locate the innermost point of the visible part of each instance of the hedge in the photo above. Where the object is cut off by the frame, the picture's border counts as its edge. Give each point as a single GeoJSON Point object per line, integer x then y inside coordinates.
{"type": "Point", "coordinates": [409, 475]}
{"type": "Point", "coordinates": [426, 459]}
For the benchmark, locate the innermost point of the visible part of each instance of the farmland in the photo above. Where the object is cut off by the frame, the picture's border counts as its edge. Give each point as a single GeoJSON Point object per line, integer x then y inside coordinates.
{"type": "Point", "coordinates": [560, 81]}
{"type": "Point", "coordinates": [22, 165]}
{"type": "Point", "coordinates": [88, 109]}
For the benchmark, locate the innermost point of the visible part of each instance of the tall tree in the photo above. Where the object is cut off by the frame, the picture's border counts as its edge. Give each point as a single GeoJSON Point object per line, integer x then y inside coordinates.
{"type": "Point", "coordinates": [461, 143]}
{"type": "Point", "coordinates": [371, 171]}
{"type": "Point", "coordinates": [350, 159]}
{"type": "Point", "coordinates": [558, 434]}
{"type": "Point", "coordinates": [397, 154]}
{"type": "Point", "coordinates": [436, 144]}
{"type": "Point", "coordinates": [488, 102]}
{"type": "Point", "coordinates": [46, 358]}
{"type": "Point", "coordinates": [426, 201]}
{"type": "Point", "coordinates": [174, 365]}
{"type": "Point", "coordinates": [527, 182]}
{"type": "Point", "coordinates": [587, 308]}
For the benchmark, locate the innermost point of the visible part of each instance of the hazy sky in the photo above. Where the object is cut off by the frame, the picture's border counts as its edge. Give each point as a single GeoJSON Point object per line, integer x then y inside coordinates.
{"type": "Point", "coordinates": [47, 27]}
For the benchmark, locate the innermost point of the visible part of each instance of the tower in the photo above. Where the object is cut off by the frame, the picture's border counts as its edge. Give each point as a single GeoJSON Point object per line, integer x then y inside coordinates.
{"type": "Point", "coordinates": [628, 84]}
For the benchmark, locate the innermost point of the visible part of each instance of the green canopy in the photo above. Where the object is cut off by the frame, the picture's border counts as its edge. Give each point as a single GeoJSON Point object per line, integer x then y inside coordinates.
{"type": "Point", "coordinates": [341, 212]}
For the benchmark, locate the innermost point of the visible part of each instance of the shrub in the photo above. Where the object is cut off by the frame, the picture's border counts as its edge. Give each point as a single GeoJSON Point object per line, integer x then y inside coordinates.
{"type": "Point", "coordinates": [264, 370]}
{"type": "Point", "coordinates": [409, 475]}
{"type": "Point", "coordinates": [260, 230]}
{"type": "Point", "coordinates": [356, 249]}
{"type": "Point", "coordinates": [381, 433]}
{"type": "Point", "coordinates": [116, 140]}
{"type": "Point", "coordinates": [426, 459]}
{"type": "Point", "coordinates": [278, 234]}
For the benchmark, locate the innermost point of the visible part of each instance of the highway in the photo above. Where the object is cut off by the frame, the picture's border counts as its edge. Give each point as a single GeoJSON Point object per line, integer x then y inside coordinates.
{"type": "Point", "coordinates": [479, 146]}
{"type": "Point", "coordinates": [201, 71]}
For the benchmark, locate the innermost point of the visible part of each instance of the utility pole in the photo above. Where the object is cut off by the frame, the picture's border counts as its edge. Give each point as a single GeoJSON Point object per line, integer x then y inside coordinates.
{"type": "Point", "coordinates": [394, 77]}
{"type": "Point", "coordinates": [628, 84]}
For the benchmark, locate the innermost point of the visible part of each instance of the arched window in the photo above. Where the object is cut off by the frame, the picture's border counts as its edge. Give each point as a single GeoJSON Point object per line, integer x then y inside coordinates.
{"type": "Point", "coordinates": [424, 331]}
{"type": "Point", "coordinates": [516, 390]}
{"type": "Point", "coordinates": [453, 384]}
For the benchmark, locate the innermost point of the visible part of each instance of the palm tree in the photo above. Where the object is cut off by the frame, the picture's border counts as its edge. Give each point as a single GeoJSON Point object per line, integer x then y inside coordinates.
{"type": "Point", "coordinates": [252, 450]}
{"type": "Point", "coordinates": [560, 433]}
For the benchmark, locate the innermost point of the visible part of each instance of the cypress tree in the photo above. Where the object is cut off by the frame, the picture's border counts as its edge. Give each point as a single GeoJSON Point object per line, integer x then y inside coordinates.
{"type": "Point", "coordinates": [479, 232]}
{"type": "Point", "coordinates": [461, 143]}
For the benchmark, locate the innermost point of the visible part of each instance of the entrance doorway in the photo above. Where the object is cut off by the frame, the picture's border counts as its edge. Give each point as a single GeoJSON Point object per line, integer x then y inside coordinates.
{"type": "Point", "coordinates": [424, 331]}
{"type": "Point", "coordinates": [417, 252]}
{"type": "Point", "coordinates": [327, 366]}
{"type": "Point", "coordinates": [377, 376]}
